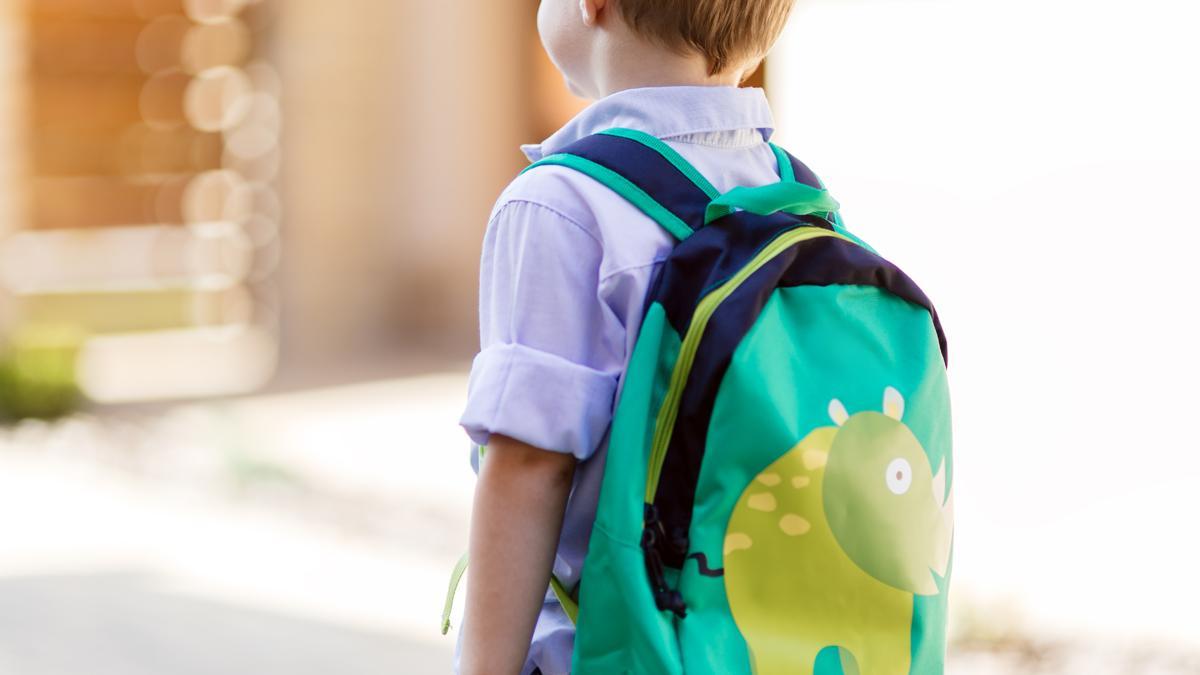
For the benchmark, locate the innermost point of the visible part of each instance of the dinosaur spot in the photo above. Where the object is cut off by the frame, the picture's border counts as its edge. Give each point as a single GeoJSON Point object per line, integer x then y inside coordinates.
{"type": "Point", "coordinates": [815, 459]}
{"type": "Point", "coordinates": [762, 502]}
{"type": "Point", "coordinates": [793, 525]}
{"type": "Point", "coordinates": [769, 479]}
{"type": "Point", "coordinates": [800, 481]}
{"type": "Point", "coordinates": [736, 541]}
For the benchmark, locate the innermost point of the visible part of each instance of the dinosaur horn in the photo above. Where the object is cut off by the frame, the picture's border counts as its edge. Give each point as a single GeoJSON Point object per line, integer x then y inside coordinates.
{"type": "Point", "coordinates": [837, 412]}
{"type": "Point", "coordinates": [893, 403]}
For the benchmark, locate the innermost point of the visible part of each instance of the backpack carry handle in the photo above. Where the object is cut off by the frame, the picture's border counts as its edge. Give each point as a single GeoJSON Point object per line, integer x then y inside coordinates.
{"type": "Point", "coordinates": [787, 196]}
{"type": "Point", "coordinates": [657, 180]}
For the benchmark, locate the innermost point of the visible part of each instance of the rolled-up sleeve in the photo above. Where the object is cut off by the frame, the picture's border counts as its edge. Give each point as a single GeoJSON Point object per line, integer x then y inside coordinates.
{"type": "Point", "coordinates": [552, 351]}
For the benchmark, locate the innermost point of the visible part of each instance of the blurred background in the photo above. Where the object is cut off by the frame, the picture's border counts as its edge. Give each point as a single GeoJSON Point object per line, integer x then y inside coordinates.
{"type": "Point", "coordinates": [238, 249]}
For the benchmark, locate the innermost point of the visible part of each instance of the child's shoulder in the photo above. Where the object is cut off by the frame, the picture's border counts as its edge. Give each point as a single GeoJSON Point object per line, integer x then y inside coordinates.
{"type": "Point", "coordinates": [573, 205]}
{"type": "Point", "coordinates": [558, 189]}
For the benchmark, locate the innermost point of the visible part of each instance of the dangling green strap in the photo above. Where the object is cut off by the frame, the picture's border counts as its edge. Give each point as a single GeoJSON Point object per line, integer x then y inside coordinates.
{"type": "Point", "coordinates": [795, 198]}
{"type": "Point", "coordinates": [569, 605]}
{"type": "Point", "coordinates": [455, 580]}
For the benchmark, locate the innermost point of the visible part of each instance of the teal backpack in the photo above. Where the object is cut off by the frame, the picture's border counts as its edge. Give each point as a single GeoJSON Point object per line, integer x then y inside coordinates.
{"type": "Point", "coordinates": [777, 493]}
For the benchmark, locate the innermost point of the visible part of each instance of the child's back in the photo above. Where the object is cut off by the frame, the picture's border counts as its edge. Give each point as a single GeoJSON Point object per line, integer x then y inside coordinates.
{"type": "Point", "coordinates": [566, 268]}
{"type": "Point", "coordinates": [575, 249]}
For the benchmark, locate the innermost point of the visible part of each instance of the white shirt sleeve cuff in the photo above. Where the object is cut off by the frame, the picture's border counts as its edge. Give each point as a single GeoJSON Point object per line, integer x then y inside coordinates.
{"type": "Point", "coordinates": [538, 398]}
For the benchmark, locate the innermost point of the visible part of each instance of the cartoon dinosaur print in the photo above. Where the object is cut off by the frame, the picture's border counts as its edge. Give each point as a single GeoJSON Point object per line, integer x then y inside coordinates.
{"type": "Point", "coordinates": [829, 544]}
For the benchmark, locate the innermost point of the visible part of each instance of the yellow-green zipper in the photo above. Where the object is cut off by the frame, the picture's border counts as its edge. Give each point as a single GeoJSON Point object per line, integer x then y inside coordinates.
{"type": "Point", "coordinates": [665, 424]}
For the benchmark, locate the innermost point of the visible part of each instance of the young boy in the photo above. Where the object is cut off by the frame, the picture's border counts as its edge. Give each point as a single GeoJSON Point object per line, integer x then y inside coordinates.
{"type": "Point", "coordinates": [566, 267]}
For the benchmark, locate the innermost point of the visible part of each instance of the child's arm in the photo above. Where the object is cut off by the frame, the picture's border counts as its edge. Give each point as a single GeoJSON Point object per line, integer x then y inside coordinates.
{"type": "Point", "coordinates": [515, 525]}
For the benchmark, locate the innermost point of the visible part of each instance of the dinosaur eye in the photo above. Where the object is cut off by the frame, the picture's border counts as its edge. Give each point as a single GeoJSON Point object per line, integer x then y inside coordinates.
{"type": "Point", "coordinates": [899, 476]}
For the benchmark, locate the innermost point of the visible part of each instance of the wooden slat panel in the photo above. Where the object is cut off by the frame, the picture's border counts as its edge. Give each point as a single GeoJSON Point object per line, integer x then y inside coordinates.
{"type": "Point", "coordinates": [140, 151]}
{"type": "Point", "coordinates": [119, 312]}
{"type": "Point", "coordinates": [102, 9]}
{"type": "Point", "coordinates": [108, 145]}
{"type": "Point", "coordinates": [73, 203]}
{"type": "Point", "coordinates": [75, 46]}
{"type": "Point", "coordinates": [146, 257]}
{"type": "Point", "coordinates": [102, 102]}
{"type": "Point", "coordinates": [13, 111]}
{"type": "Point", "coordinates": [169, 364]}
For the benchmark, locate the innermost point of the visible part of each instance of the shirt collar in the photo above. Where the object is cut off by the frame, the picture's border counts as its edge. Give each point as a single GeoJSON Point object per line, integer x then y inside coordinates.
{"type": "Point", "coordinates": [665, 112]}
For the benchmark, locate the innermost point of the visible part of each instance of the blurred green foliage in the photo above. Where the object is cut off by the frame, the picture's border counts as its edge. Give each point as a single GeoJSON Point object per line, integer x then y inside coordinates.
{"type": "Point", "coordinates": [38, 365]}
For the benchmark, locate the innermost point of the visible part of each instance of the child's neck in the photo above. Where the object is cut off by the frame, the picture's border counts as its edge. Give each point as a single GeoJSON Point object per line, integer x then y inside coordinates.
{"type": "Point", "coordinates": [632, 63]}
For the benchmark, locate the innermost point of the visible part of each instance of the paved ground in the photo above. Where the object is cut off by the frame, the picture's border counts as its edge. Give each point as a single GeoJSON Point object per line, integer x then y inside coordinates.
{"type": "Point", "coordinates": [301, 534]}
{"type": "Point", "coordinates": [304, 535]}
{"type": "Point", "coordinates": [126, 624]}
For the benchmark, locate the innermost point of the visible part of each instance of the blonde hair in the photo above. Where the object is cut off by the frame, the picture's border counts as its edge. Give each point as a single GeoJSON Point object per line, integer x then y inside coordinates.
{"type": "Point", "coordinates": [725, 32]}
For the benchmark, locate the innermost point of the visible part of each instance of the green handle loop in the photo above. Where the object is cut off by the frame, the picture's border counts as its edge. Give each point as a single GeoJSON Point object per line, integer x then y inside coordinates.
{"type": "Point", "coordinates": [795, 198]}
{"type": "Point", "coordinates": [569, 604]}
{"type": "Point", "coordinates": [455, 578]}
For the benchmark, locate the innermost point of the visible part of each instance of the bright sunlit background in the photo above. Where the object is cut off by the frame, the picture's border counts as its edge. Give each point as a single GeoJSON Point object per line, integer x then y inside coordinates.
{"type": "Point", "coordinates": [1035, 166]}
{"type": "Point", "coordinates": [238, 248]}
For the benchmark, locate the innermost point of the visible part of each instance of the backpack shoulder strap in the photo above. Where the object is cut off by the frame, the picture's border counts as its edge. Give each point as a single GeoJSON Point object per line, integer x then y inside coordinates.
{"type": "Point", "coordinates": [645, 171]}
{"type": "Point", "coordinates": [792, 170]}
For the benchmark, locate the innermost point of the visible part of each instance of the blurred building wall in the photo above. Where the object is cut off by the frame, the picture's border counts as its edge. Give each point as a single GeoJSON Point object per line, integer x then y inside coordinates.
{"type": "Point", "coordinates": [352, 236]}
{"type": "Point", "coordinates": [138, 195]}
{"type": "Point", "coordinates": [12, 150]}
{"type": "Point", "coordinates": [401, 125]}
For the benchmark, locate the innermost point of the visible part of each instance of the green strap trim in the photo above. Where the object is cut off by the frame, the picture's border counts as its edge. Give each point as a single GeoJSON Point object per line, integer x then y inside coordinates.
{"type": "Point", "coordinates": [669, 154]}
{"type": "Point", "coordinates": [622, 186]}
{"type": "Point", "coordinates": [787, 172]}
{"type": "Point", "coordinates": [570, 607]}
{"type": "Point", "coordinates": [455, 580]}
{"type": "Point", "coordinates": [795, 198]}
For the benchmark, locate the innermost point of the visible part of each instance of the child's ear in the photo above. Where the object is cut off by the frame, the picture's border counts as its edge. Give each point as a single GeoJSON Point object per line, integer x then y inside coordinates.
{"type": "Point", "coordinates": [590, 10]}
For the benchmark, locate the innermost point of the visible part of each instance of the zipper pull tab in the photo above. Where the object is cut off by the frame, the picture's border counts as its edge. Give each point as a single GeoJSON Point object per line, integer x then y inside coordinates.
{"type": "Point", "coordinates": [667, 599]}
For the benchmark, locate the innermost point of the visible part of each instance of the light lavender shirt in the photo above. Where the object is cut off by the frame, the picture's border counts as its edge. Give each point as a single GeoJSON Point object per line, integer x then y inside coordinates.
{"type": "Point", "coordinates": [565, 271]}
